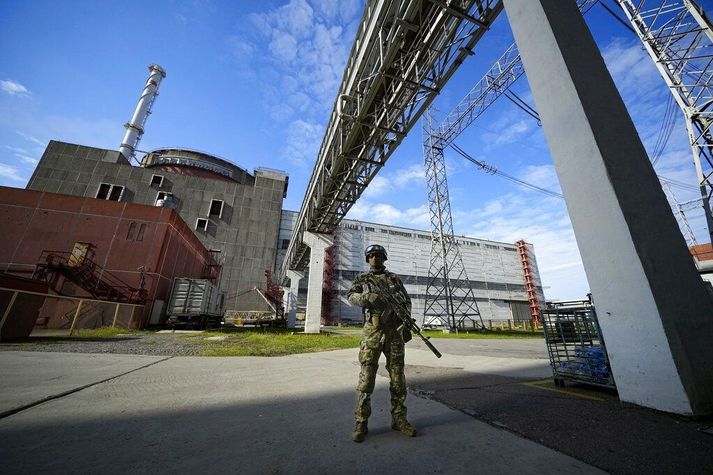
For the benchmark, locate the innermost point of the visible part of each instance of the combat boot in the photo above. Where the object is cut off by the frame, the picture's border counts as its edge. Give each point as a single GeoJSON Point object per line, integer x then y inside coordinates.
{"type": "Point", "coordinates": [402, 425]}
{"type": "Point", "coordinates": [359, 432]}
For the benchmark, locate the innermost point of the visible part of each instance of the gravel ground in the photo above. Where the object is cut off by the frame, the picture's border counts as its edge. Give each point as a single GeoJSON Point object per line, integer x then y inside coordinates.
{"type": "Point", "coordinates": [156, 344]}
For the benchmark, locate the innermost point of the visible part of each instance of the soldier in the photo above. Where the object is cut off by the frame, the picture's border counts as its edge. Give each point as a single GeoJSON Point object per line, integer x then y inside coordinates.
{"type": "Point", "coordinates": [383, 333]}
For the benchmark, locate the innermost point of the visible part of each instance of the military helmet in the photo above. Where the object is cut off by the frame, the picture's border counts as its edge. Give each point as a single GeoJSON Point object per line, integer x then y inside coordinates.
{"type": "Point", "coordinates": [374, 249]}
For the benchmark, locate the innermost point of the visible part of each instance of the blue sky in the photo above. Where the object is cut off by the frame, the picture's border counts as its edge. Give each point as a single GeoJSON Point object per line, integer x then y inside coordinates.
{"type": "Point", "coordinates": [254, 82]}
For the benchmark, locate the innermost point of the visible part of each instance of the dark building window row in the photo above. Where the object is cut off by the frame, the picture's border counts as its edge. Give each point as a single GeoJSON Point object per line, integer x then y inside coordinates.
{"type": "Point", "coordinates": [109, 191]}
{"type": "Point", "coordinates": [424, 280]}
{"type": "Point", "coordinates": [112, 192]}
{"type": "Point", "coordinates": [418, 235]}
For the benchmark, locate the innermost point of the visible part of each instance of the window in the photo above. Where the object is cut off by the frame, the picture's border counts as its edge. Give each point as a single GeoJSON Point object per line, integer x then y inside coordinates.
{"type": "Point", "coordinates": [132, 235]}
{"type": "Point", "coordinates": [216, 208]}
{"type": "Point", "coordinates": [107, 191]}
{"type": "Point", "coordinates": [367, 228]}
{"type": "Point", "coordinates": [132, 232]}
{"type": "Point", "coordinates": [202, 224]}
{"type": "Point", "coordinates": [157, 180]}
{"type": "Point", "coordinates": [163, 195]}
{"type": "Point", "coordinates": [284, 243]}
{"type": "Point", "coordinates": [140, 235]}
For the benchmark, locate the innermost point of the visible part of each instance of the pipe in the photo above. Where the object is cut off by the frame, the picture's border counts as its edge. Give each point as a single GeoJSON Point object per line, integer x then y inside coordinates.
{"type": "Point", "coordinates": [135, 127]}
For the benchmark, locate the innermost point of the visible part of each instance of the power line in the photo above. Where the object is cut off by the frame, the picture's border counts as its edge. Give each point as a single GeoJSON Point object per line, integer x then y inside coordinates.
{"type": "Point", "coordinates": [522, 105]}
{"type": "Point", "coordinates": [494, 171]}
{"type": "Point", "coordinates": [618, 18]}
{"type": "Point", "coordinates": [667, 125]}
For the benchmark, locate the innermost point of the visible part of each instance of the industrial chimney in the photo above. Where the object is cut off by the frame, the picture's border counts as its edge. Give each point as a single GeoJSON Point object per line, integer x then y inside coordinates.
{"type": "Point", "coordinates": [135, 127]}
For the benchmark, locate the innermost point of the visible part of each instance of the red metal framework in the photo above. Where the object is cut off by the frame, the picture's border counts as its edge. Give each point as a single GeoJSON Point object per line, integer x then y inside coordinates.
{"type": "Point", "coordinates": [86, 274]}
{"type": "Point", "coordinates": [529, 284]}
{"type": "Point", "coordinates": [274, 293]}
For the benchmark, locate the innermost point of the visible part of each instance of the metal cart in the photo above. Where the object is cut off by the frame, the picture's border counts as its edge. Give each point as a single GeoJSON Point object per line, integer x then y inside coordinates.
{"type": "Point", "coordinates": [574, 343]}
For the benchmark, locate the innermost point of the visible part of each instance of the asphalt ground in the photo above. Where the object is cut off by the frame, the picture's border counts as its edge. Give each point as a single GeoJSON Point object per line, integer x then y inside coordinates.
{"type": "Point", "coordinates": [487, 405]}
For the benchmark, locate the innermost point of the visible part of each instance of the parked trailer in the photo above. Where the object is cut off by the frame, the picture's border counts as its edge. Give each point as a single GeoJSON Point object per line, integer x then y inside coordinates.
{"type": "Point", "coordinates": [195, 303]}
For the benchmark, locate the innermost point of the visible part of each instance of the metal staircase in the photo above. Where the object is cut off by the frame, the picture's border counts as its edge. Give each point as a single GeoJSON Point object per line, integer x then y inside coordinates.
{"type": "Point", "coordinates": [87, 275]}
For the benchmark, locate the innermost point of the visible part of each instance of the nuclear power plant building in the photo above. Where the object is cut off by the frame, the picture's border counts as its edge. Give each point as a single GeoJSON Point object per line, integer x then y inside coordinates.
{"type": "Point", "coordinates": [234, 213]}
{"type": "Point", "coordinates": [497, 272]}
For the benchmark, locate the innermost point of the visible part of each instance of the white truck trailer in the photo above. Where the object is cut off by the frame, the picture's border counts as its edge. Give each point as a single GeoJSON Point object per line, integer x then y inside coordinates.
{"type": "Point", "coordinates": [195, 303]}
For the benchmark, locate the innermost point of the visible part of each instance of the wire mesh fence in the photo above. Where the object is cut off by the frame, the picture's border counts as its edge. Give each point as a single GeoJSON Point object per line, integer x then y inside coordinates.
{"type": "Point", "coordinates": [574, 343]}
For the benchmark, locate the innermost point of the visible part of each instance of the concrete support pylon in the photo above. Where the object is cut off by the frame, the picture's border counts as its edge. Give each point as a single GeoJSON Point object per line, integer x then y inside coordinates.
{"type": "Point", "coordinates": [290, 297]}
{"type": "Point", "coordinates": [317, 244]}
{"type": "Point", "coordinates": [655, 314]}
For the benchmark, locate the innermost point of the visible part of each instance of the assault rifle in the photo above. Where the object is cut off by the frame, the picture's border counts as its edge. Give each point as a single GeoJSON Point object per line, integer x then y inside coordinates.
{"type": "Point", "coordinates": [396, 302]}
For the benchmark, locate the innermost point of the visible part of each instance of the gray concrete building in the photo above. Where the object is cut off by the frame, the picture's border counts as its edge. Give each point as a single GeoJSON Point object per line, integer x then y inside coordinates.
{"type": "Point", "coordinates": [230, 210]}
{"type": "Point", "coordinates": [494, 269]}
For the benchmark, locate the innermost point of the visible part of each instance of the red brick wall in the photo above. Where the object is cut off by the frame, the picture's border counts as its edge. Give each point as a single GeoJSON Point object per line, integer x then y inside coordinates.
{"type": "Point", "coordinates": [32, 222]}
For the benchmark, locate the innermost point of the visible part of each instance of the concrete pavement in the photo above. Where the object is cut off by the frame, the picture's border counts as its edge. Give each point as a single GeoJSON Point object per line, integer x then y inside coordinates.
{"type": "Point", "coordinates": [289, 414]}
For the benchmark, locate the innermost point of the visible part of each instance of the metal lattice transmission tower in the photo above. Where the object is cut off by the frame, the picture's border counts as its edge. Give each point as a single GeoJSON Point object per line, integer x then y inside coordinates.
{"type": "Point", "coordinates": [680, 215]}
{"type": "Point", "coordinates": [450, 299]}
{"type": "Point", "coordinates": [678, 36]}
{"type": "Point", "coordinates": [449, 296]}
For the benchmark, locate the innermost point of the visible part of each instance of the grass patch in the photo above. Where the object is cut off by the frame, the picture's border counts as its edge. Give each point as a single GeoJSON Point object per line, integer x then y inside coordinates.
{"type": "Point", "coordinates": [269, 343]}
{"type": "Point", "coordinates": [105, 332]}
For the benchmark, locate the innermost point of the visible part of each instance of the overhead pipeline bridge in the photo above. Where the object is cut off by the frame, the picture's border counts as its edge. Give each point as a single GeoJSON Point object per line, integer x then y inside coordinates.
{"type": "Point", "coordinates": [404, 53]}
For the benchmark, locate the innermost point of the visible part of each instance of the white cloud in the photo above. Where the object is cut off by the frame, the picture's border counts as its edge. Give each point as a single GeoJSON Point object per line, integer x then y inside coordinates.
{"type": "Point", "coordinates": [31, 138]}
{"type": "Point", "coordinates": [543, 223]}
{"type": "Point", "coordinates": [307, 46]}
{"type": "Point", "coordinates": [630, 66]}
{"type": "Point", "coordinates": [543, 176]}
{"type": "Point", "coordinates": [240, 47]}
{"type": "Point", "coordinates": [13, 88]}
{"type": "Point", "coordinates": [513, 132]}
{"type": "Point", "coordinates": [283, 46]}
{"type": "Point", "coordinates": [28, 160]}
{"type": "Point", "coordinates": [10, 173]}
{"type": "Point", "coordinates": [379, 186]}
{"type": "Point", "coordinates": [386, 183]}
{"type": "Point", "coordinates": [388, 214]}
{"type": "Point", "coordinates": [302, 142]}
{"type": "Point", "coordinates": [408, 175]}
{"type": "Point", "coordinates": [17, 150]}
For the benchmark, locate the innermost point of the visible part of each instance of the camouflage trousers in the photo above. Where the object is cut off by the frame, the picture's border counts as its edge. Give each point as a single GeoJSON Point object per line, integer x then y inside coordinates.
{"type": "Point", "coordinates": [374, 342]}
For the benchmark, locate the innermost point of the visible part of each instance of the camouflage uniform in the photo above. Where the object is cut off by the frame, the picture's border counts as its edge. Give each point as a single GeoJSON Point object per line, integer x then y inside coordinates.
{"type": "Point", "coordinates": [382, 333]}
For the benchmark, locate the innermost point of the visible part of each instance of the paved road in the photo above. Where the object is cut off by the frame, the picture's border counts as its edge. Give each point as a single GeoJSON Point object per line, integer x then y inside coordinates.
{"type": "Point", "coordinates": [486, 406]}
{"type": "Point", "coordinates": [249, 415]}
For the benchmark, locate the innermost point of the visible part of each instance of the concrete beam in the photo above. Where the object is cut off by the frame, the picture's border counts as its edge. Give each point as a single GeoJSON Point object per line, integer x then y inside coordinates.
{"type": "Point", "coordinates": [655, 314]}
{"type": "Point", "coordinates": [313, 314]}
{"type": "Point", "coordinates": [290, 297]}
